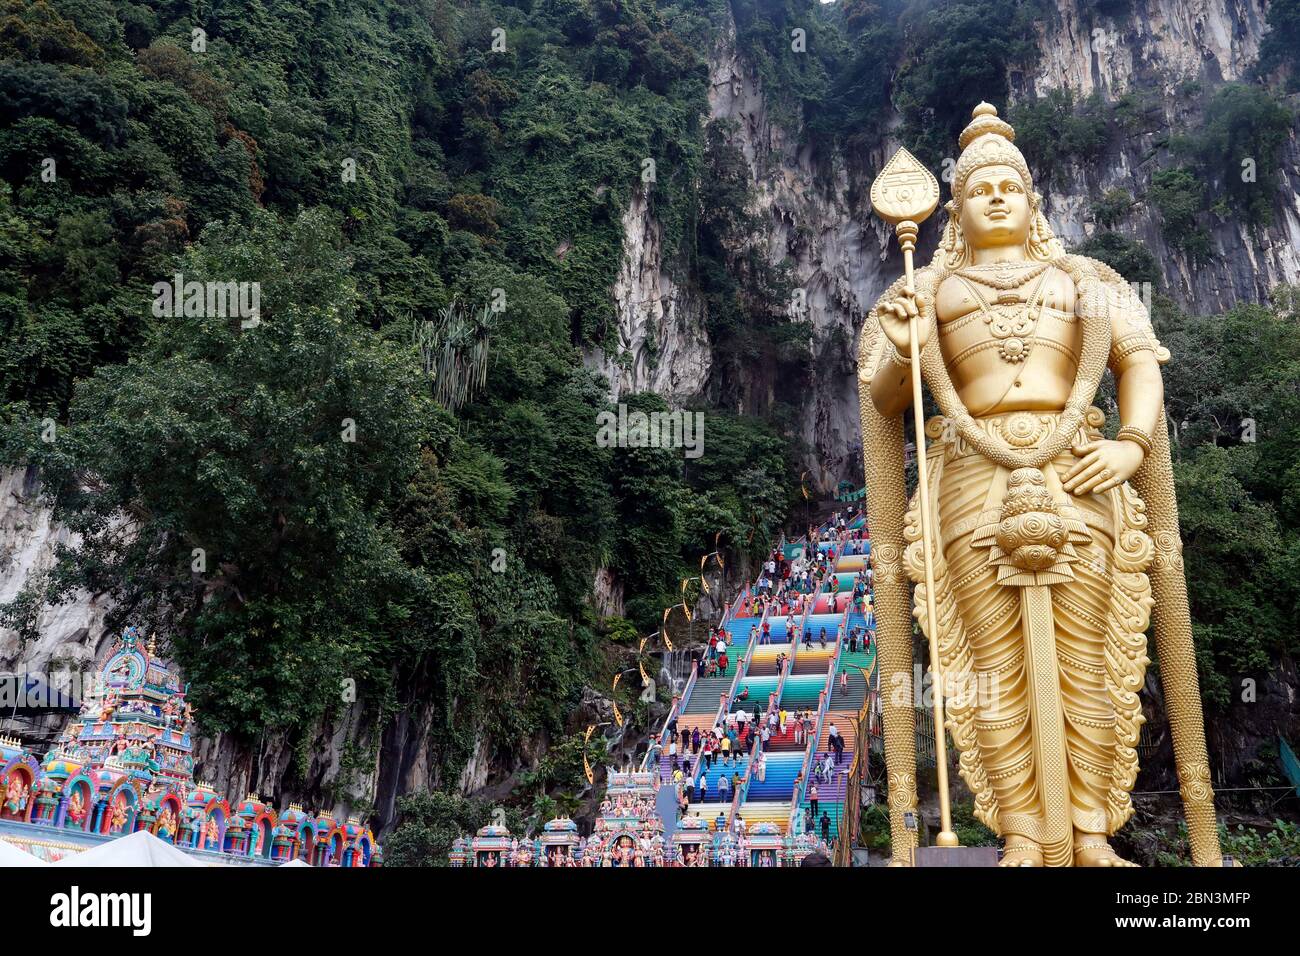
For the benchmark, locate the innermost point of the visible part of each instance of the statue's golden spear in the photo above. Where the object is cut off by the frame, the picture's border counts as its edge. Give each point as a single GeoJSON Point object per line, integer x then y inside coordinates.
{"type": "Point", "coordinates": [904, 195]}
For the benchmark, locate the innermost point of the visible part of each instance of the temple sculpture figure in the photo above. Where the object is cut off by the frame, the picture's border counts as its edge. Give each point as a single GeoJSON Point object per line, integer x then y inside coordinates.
{"type": "Point", "coordinates": [1054, 545]}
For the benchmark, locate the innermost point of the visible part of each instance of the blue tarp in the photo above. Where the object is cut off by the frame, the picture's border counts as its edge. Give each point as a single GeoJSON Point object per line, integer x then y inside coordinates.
{"type": "Point", "coordinates": [1290, 766]}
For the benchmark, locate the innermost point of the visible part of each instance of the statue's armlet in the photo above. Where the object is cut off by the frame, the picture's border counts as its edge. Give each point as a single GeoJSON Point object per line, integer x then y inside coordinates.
{"type": "Point", "coordinates": [1136, 348]}
{"type": "Point", "coordinates": [1132, 340]}
{"type": "Point", "coordinates": [1132, 343]}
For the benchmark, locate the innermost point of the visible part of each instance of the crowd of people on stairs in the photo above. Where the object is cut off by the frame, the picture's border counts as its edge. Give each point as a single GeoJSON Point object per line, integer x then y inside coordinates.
{"type": "Point", "coordinates": [786, 587]}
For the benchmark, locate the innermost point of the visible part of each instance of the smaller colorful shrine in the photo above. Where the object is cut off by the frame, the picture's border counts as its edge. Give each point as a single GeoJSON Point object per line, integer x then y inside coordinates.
{"type": "Point", "coordinates": [125, 763]}
{"type": "Point", "coordinates": [629, 832]}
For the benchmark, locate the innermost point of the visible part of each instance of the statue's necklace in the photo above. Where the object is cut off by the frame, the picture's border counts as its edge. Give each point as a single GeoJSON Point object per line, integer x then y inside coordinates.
{"type": "Point", "coordinates": [1002, 276]}
{"type": "Point", "coordinates": [1010, 319]}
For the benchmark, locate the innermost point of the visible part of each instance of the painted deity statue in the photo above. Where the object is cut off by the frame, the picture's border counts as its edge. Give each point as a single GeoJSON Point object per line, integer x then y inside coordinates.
{"type": "Point", "coordinates": [17, 794]}
{"type": "Point", "coordinates": [166, 824]}
{"type": "Point", "coordinates": [118, 819]}
{"type": "Point", "coordinates": [1050, 537]}
{"type": "Point", "coordinates": [76, 808]}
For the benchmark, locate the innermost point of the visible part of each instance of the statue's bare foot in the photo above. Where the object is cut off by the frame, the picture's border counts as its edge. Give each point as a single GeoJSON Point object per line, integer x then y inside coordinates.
{"type": "Point", "coordinates": [1094, 851]}
{"type": "Point", "coordinates": [1021, 852]}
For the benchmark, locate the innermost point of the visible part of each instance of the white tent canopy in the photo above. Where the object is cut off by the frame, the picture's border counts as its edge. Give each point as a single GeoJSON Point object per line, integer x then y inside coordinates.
{"type": "Point", "coordinates": [297, 863]}
{"type": "Point", "coordinates": [11, 855]}
{"type": "Point", "coordinates": [138, 849]}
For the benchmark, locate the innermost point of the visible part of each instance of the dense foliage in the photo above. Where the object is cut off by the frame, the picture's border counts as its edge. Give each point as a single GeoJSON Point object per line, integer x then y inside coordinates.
{"type": "Point", "coordinates": [431, 822]}
{"type": "Point", "coordinates": [305, 516]}
{"type": "Point", "coordinates": [1232, 398]}
{"type": "Point", "coordinates": [1280, 49]}
{"type": "Point", "coordinates": [1238, 150]}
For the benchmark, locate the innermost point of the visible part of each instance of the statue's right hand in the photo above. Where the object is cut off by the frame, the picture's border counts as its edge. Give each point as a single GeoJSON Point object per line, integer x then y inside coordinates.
{"type": "Point", "coordinates": [894, 316]}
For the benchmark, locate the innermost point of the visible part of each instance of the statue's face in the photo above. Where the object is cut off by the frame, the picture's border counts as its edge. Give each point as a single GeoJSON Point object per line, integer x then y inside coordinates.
{"type": "Point", "coordinates": [995, 208]}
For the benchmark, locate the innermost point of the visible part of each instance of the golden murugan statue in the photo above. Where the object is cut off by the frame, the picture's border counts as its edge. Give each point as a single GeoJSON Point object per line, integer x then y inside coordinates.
{"type": "Point", "coordinates": [1053, 543]}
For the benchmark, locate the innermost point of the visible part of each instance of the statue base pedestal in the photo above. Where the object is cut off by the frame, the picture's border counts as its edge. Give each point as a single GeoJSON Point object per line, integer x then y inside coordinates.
{"type": "Point", "coordinates": [956, 856]}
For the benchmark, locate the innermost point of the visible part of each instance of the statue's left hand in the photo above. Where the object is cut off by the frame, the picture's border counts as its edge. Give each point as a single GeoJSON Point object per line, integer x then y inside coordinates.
{"type": "Point", "coordinates": [1102, 465]}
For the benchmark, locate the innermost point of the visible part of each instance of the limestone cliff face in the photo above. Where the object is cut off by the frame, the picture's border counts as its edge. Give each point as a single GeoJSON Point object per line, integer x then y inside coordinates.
{"type": "Point", "coordinates": [65, 638]}
{"type": "Point", "coordinates": [814, 216]}
{"type": "Point", "coordinates": [73, 637]}
{"type": "Point", "coordinates": [817, 220]}
{"type": "Point", "coordinates": [1161, 46]}
{"type": "Point", "coordinates": [662, 345]}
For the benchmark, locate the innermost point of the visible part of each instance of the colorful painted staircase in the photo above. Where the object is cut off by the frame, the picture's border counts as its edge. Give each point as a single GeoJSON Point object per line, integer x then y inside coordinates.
{"type": "Point", "coordinates": [810, 681]}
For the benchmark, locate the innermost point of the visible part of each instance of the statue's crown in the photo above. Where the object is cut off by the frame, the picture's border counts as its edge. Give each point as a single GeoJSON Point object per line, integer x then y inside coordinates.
{"type": "Point", "coordinates": [988, 140]}
{"type": "Point", "coordinates": [985, 119]}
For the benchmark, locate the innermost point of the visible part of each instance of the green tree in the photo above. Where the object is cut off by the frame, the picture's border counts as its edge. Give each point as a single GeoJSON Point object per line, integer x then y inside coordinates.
{"type": "Point", "coordinates": [1231, 399]}
{"type": "Point", "coordinates": [1126, 256]}
{"type": "Point", "coordinates": [1238, 149]}
{"type": "Point", "coordinates": [429, 823]}
{"type": "Point", "coordinates": [1178, 194]}
{"type": "Point", "coordinates": [256, 467]}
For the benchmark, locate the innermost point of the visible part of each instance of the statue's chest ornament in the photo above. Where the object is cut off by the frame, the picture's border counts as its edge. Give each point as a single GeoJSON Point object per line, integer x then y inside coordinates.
{"type": "Point", "coordinates": [1010, 318]}
{"type": "Point", "coordinates": [1001, 275]}
{"type": "Point", "coordinates": [1093, 312]}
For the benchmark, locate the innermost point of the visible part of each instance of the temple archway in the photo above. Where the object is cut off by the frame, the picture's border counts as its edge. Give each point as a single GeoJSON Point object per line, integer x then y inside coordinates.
{"type": "Point", "coordinates": [169, 816]}
{"type": "Point", "coordinates": [121, 807]}
{"type": "Point", "coordinates": [263, 844]}
{"type": "Point", "coordinates": [307, 844]}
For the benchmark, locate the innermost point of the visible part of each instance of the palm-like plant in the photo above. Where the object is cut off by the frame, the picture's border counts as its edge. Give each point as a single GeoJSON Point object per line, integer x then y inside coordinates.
{"type": "Point", "coordinates": [454, 350]}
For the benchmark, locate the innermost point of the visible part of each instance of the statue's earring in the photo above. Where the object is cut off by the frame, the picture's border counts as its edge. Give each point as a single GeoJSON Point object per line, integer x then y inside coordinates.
{"type": "Point", "coordinates": [954, 244]}
{"type": "Point", "coordinates": [1040, 237]}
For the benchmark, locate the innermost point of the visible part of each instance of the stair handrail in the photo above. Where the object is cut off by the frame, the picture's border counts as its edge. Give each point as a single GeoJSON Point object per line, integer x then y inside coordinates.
{"type": "Point", "coordinates": [844, 622]}
{"type": "Point", "coordinates": [742, 666]}
{"type": "Point", "coordinates": [810, 747]}
{"type": "Point", "coordinates": [823, 701]}
{"type": "Point", "coordinates": [730, 612]}
{"type": "Point", "coordinates": [803, 622]}
{"type": "Point", "coordinates": [835, 658]}
{"type": "Point", "coordinates": [823, 705]}
{"type": "Point", "coordinates": [749, 656]}
{"type": "Point", "coordinates": [812, 602]}
{"type": "Point", "coordinates": [726, 619]}
{"type": "Point", "coordinates": [773, 702]}
{"type": "Point", "coordinates": [803, 625]}
{"type": "Point", "coordinates": [794, 648]}
{"type": "Point", "coordinates": [741, 792]}
{"type": "Point", "coordinates": [842, 854]}
{"type": "Point", "coordinates": [677, 708]}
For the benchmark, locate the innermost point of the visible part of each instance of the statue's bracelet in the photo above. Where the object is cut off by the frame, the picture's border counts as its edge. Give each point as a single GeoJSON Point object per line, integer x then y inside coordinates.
{"type": "Point", "coordinates": [1137, 436]}
{"type": "Point", "coordinates": [894, 355]}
